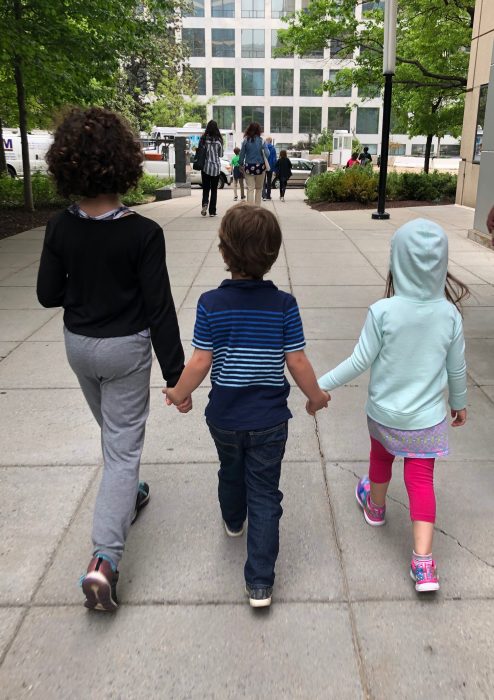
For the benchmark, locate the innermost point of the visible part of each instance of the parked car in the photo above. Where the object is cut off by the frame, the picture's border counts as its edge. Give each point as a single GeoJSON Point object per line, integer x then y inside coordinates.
{"type": "Point", "coordinates": [226, 174]}
{"type": "Point", "coordinates": [301, 170]}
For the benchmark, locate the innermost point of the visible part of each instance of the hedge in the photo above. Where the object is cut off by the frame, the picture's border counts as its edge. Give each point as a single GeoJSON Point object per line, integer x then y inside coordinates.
{"type": "Point", "coordinates": [359, 184]}
{"type": "Point", "coordinates": [45, 194]}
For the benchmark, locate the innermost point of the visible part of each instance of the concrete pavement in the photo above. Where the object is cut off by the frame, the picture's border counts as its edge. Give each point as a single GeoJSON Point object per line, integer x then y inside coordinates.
{"type": "Point", "coordinates": [346, 622]}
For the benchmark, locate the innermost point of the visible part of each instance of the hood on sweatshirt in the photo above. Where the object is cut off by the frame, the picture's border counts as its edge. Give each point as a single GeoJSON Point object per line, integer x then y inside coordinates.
{"type": "Point", "coordinates": [419, 260]}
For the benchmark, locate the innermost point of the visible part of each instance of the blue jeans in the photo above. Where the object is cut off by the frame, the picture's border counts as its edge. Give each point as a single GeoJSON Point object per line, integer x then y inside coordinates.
{"type": "Point", "coordinates": [249, 477]}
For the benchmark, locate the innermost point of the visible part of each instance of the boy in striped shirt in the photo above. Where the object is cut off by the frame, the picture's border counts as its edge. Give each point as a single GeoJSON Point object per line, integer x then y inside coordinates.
{"type": "Point", "coordinates": [246, 330]}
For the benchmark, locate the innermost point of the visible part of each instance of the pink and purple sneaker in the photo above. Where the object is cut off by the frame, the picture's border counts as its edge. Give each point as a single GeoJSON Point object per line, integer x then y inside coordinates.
{"type": "Point", "coordinates": [424, 573]}
{"type": "Point", "coordinates": [374, 515]}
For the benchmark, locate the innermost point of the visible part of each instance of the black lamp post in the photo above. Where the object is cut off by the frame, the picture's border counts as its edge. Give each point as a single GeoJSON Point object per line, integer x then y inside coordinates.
{"type": "Point", "coordinates": [389, 68]}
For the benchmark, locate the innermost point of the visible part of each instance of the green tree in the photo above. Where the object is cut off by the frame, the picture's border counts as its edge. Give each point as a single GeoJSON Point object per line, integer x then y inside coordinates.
{"type": "Point", "coordinates": [72, 51]}
{"type": "Point", "coordinates": [433, 43]}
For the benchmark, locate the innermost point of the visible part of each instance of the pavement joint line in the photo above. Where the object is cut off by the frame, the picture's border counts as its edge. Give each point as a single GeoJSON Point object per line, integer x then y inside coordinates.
{"type": "Point", "coordinates": [364, 681]}
{"type": "Point", "coordinates": [436, 527]}
{"type": "Point", "coordinates": [50, 560]}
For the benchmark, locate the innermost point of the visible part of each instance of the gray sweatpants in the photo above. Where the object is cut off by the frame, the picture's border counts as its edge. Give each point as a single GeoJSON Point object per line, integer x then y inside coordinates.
{"type": "Point", "coordinates": [114, 374]}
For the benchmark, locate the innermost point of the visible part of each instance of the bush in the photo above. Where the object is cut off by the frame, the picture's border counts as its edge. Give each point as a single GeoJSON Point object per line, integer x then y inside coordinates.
{"type": "Point", "coordinates": [45, 194]}
{"type": "Point", "coordinates": [359, 184]}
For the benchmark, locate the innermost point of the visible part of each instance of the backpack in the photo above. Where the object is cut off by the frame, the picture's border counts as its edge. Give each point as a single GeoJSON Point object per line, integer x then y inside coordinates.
{"type": "Point", "coordinates": [199, 156]}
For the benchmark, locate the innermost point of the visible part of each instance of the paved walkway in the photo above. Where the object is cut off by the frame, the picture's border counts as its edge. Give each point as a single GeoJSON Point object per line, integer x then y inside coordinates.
{"type": "Point", "coordinates": [346, 622]}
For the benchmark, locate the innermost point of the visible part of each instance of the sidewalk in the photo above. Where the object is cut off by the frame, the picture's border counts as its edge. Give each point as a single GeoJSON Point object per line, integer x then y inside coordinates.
{"type": "Point", "coordinates": [345, 622]}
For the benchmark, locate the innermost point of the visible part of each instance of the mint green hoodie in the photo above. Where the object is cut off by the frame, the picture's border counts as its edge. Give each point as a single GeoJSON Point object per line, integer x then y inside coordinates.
{"type": "Point", "coordinates": [412, 342]}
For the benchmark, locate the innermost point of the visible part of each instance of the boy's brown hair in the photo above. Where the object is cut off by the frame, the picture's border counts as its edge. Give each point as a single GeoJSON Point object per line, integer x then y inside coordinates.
{"type": "Point", "coordinates": [236, 150]}
{"type": "Point", "coordinates": [94, 152]}
{"type": "Point", "coordinates": [250, 240]}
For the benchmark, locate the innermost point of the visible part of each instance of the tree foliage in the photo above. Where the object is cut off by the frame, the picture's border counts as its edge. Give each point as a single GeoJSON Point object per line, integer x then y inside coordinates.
{"type": "Point", "coordinates": [433, 44]}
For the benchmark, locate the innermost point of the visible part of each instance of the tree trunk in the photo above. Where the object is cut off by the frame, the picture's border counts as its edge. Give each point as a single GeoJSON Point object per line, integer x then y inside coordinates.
{"type": "Point", "coordinates": [3, 160]}
{"type": "Point", "coordinates": [21, 104]}
{"type": "Point", "coordinates": [427, 156]}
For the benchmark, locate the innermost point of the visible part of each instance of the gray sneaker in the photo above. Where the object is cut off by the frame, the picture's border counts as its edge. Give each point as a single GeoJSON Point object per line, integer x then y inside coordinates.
{"type": "Point", "coordinates": [204, 210]}
{"type": "Point", "coordinates": [259, 597]}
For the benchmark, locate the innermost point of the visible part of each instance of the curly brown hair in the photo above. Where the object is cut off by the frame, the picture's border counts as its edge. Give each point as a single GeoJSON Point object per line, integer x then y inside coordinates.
{"type": "Point", "coordinates": [254, 129]}
{"type": "Point", "coordinates": [94, 152]}
{"type": "Point", "coordinates": [250, 240]}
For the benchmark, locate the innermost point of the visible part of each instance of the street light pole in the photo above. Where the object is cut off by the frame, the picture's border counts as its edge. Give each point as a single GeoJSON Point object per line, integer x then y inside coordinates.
{"type": "Point", "coordinates": [389, 69]}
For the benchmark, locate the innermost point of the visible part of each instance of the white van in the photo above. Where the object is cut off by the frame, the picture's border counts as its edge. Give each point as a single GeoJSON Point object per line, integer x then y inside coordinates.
{"type": "Point", "coordinates": [39, 142]}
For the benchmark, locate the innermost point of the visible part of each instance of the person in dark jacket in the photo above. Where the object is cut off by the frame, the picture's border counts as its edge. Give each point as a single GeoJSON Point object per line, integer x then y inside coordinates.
{"type": "Point", "coordinates": [283, 170]}
{"type": "Point", "coordinates": [268, 176]}
{"type": "Point", "coordinates": [105, 265]}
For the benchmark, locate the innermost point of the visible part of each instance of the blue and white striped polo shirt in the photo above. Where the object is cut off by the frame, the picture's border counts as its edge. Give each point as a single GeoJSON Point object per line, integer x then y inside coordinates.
{"type": "Point", "coordinates": [249, 325]}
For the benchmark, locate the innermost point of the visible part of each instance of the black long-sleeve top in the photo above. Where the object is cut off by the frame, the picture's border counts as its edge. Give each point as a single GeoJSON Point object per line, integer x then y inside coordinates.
{"type": "Point", "coordinates": [111, 279]}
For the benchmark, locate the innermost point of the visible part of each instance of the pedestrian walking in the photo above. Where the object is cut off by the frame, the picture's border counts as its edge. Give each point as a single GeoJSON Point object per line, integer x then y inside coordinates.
{"type": "Point", "coordinates": [238, 177]}
{"type": "Point", "coordinates": [254, 156]}
{"type": "Point", "coordinates": [413, 343]}
{"type": "Point", "coordinates": [212, 141]}
{"type": "Point", "coordinates": [283, 170]}
{"type": "Point", "coordinates": [268, 176]}
{"type": "Point", "coordinates": [353, 160]}
{"type": "Point", "coordinates": [247, 329]}
{"type": "Point", "coordinates": [365, 157]}
{"type": "Point", "coordinates": [105, 265]}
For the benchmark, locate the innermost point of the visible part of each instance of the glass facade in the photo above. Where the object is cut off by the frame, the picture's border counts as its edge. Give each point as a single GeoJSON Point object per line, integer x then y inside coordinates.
{"type": "Point", "coordinates": [337, 49]}
{"type": "Point", "coordinates": [418, 149]}
{"type": "Point", "coordinates": [343, 92]}
{"type": "Point", "coordinates": [310, 120]}
{"type": "Point", "coordinates": [225, 116]}
{"type": "Point", "coordinates": [223, 81]}
{"type": "Point", "coordinates": [281, 120]}
{"type": "Point", "coordinates": [367, 120]}
{"type": "Point", "coordinates": [372, 148]}
{"type": "Point", "coordinates": [338, 118]}
{"type": "Point", "coordinates": [281, 8]}
{"type": "Point", "coordinates": [222, 8]}
{"type": "Point", "coordinates": [253, 8]}
{"type": "Point", "coordinates": [223, 43]}
{"type": "Point", "coordinates": [252, 43]}
{"type": "Point", "coordinates": [199, 75]}
{"type": "Point", "coordinates": [253, 81]}
{"type": "Point", "coordinates": [276, 44]}
{"type": "Point", "coordinates": [252, 114]}
{"type": "Point", "coordinates": [195, 41]}
{"type": "Point", "coordinates": [310, 82]}
{"type": "Point", "coordinates": [196, 9]}
{"type": "Point", "coordinates": [281, 82]}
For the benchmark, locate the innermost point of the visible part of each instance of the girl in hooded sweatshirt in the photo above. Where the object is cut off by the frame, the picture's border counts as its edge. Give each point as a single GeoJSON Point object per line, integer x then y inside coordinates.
{"type": "Point", "coordinates": [413, 343]}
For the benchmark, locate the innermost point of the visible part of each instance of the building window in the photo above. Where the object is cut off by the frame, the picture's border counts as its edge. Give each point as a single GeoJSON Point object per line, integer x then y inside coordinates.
{"type": "Point", "coordinates": [479, 128]}
{"type": "Point", "coordinates": [253, 8]}
{"type": "Point", "coordinates": [397, 149]}
{"type": "Point", "coordinates": [338, 119]}
{"type": "Point", "coordinates": [252, 43]}
{"type": "Point", "coordinates": [369, 6]}
{"type": "Point", "coordinates": [314, 53]}
{"type": "Point", "coordinates": [372, 148]}
{"type": "Point", "coordinates": [341, 92]}
{"type": "Point", "coordinates": [223, 43]}
{"type": "Point", "coordinates": [199, 75]}
{"type": "Point", "coordinates": [281, 82]}
{"type": "Point", "coordinates": [418, 149]}
{"type": "Point", "coordinates": [223, 81]}
{"type": "Point", "coordinates": [310, 82]}
{"type": "Point", "coordinates": [338, 49]}
{"type": "Point", "coordinates": [310, 120]}
{"type": "Point", "coordinates": [225, 116]}
{"type": "Point", "coordinates": [222, 8]}
{"type": "Point", "coordinates": [281, 120]}
{"type": "Point", "coordinates": [281, 8]}
{"type": "Point", "coordinates": [252, 114]}
{"type": "Point", "coordinates": [276, 44]}
{"type": "Point", "coordinates": [367, 120]}
{"type": "Point", "coordinates": [196, 9]}
{"type": "Point", "coordinates": [195, 41]}
{"type": "Point", "coordinates": [369, 91]}
{"type": "Point", "coordinates": [253, 81]}
{"type": "Point", "coordinates": [449, 150]}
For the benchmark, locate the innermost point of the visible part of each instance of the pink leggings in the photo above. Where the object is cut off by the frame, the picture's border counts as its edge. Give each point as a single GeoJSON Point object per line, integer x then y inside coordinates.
{"type": "Point", "coordinates": [419, 480]}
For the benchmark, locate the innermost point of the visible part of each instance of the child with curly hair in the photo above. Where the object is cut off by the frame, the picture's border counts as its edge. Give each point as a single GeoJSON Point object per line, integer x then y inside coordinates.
{"type": "Point", "coordinates": [105, 265]}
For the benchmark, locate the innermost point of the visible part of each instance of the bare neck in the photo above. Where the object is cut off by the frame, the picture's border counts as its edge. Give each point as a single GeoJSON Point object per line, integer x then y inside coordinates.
{"type": "Point", "coordinates": [102, 203]}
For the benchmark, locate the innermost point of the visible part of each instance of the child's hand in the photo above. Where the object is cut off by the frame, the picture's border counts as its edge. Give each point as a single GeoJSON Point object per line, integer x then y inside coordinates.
{"type": "Point", "coordinates": [171, 399]}
{"type": "Point", "coordinates": [315, 405]}
{"type": "Point", "coordinates": [460, 417]}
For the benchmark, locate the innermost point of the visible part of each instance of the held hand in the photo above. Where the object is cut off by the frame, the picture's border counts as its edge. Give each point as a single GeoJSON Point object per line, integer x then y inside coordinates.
{"type": "Point", "coordinates": [315, 405]}
{"type": "Point", "coordinates": [185, 406]}
{"type": "Point", "coordinates": [171, 399]}
{"type": "Point", "coordinates": [460, 417]}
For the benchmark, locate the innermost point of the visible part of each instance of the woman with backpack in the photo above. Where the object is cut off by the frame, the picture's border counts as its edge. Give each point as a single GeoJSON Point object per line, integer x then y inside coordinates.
{"type": "Point", "coordinates": [212, 142]}
{"type": "Point", "coordinates": [254, 155]}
